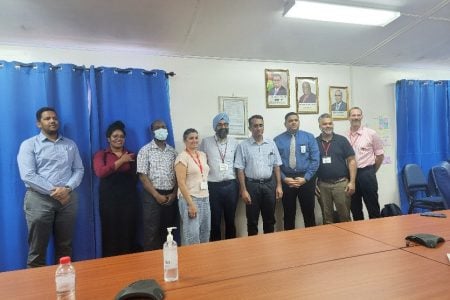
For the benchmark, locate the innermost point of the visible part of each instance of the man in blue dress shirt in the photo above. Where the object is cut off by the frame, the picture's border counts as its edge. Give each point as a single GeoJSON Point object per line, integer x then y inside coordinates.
{"type": "Point", "coordinates": [300, 156]}
{"type": "Point", "coordinates": [258, 163]}
{"type": "Point", "coordinates": [51, 168]}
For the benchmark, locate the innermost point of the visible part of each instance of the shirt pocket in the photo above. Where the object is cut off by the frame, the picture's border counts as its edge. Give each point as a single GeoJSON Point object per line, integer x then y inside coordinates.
{"type": "Point", "coordinates": [269, 157]}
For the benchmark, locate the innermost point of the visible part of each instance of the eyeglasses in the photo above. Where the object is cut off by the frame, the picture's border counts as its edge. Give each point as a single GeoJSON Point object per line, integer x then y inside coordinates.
{"type": "Point", "coordinates": [117, 137]}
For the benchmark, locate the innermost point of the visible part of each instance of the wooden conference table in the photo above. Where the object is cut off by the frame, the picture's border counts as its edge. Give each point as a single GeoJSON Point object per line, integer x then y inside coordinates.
{"type": "Point", "coordinates": [341, 261]}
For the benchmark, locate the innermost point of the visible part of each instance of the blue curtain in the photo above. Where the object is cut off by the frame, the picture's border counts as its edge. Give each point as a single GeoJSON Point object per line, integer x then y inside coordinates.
{"type": "Point", "coordinates": [423, 125]}
{"type": "Point", "coordinates": [86, 100]}
{"type": "Point", "coordinates": [135, 96]}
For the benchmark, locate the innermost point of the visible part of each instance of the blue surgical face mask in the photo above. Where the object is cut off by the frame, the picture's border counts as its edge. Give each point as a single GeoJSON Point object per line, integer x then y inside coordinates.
{"type": "Point", "coordinates": [161, 134]}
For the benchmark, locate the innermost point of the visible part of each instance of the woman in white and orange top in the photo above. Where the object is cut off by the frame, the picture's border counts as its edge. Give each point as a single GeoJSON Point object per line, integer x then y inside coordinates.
{"type": "Point", "coordinates": [192, 170]}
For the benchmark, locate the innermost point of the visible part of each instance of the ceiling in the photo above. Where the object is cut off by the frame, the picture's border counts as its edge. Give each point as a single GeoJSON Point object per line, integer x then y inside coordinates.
{"type": "Point", "coordinates": [232, 29]}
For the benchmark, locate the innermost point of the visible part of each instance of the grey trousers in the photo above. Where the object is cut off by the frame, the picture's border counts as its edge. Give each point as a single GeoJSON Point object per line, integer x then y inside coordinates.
{"type": "Point", "coordinates": [46, 216]}
{"type": "Point", "coordinates": [333, 194]}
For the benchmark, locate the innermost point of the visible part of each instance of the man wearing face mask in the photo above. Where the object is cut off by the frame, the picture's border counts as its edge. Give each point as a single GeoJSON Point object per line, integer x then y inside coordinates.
{"type": "Point", "coordinates": [155, 166]}
{"type": "Point", "coordinates": [223, 187]}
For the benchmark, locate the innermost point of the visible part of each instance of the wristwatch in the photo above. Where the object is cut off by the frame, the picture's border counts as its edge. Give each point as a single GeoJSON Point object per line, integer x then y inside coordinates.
{"type": "Point", "coordinates": [69, 188]}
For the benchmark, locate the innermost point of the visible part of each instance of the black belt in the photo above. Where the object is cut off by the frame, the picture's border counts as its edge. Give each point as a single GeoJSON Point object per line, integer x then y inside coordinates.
{"type": "Point", "coordinates": [366, 168]}
{"type": "Point", "coordinates": [221, 183]}
{"type": "Point", "coordinates": [260, 181]}
{"type": "Point", "coordinates": [164, 192]}
{"type": "Point", "coordinates": [333, 181]}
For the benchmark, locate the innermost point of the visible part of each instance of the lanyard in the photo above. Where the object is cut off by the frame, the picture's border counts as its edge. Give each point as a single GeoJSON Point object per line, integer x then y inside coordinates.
{"type": "Point", "coordinates": [353, 141]}
{"type": "Point", "coordinates": [222, 155]}
{"type": "Point", "coordinates": [325, 149]}
{"type": "Point", "coordinates": [197, 161]}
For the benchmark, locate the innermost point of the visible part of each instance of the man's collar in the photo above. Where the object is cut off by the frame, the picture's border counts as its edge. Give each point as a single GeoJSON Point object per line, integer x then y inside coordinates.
{"type": "Point", "coordinates": [42, 137]}
{"type": "Point", "coordinates": [153, 145]}
{"type": "Point", "coordinates": [217, 139]}
{"type": "Point", "coordinates": [253, 141]}
{"type": "Point", "coordinates": [332, 137]}
{"type": "Point", "coordinates": [359, 131]}
{"type": "Point", "coordinates": [291, 133]}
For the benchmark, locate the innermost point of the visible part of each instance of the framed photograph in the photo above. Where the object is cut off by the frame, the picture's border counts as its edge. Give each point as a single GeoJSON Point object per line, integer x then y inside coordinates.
{"type": "Point", "coordinates": [339, 102]}
{"type": "Point", "coordinates": [237, 110]}
{"type": "Point", "coordinates": [277, 88]}
{"type": "Point", "coordinates": [307, 95]}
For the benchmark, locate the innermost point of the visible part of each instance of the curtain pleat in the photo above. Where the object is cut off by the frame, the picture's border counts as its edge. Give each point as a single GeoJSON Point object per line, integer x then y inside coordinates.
{"type": "Point", "coordinates": [423, 126]}
{"type": "Point", "coordinates": [86, 101]}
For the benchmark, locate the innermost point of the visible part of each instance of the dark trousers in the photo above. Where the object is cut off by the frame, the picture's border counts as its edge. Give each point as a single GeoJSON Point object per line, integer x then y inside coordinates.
{"type": "Point", "coordinates": [156, 218]}
{"type": "Point", "coordinates": [263, 201]}
{"type": "Point", "coordinates": [306, 199]}
{"type": "Point", "coordinates": [367, 190]}
{"type": "Point", "coordinates": [223, 197]}
{"type": "Point", "coordinates": [46, 216]}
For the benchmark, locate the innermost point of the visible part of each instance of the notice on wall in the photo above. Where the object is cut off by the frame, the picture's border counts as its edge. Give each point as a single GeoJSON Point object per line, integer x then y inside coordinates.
{"type": "Point", "coordinates": [381, 125]}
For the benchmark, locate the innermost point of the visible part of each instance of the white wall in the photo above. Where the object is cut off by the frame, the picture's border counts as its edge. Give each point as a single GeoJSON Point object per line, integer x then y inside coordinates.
{"type": "Point", "coordinates": [194, 93]}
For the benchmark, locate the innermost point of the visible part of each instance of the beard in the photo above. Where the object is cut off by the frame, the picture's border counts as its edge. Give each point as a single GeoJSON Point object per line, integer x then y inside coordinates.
{"type": "Point", "coordinates": [327, 131]}
{"type": "Point", "coordinates": [222, 133]}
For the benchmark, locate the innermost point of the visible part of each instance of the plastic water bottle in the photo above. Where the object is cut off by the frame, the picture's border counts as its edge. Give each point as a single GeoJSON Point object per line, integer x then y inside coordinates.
{"type": "Point", "coordinates": [65, 280]}
{"type": "Point", "coordinates": [170, 253]}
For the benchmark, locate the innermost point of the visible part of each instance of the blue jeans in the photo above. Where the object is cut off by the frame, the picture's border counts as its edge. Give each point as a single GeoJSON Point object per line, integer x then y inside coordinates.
{"type": "Point", "coordinates": [195, 230]}
{"type": "Point", "coordinates": [45, 216]}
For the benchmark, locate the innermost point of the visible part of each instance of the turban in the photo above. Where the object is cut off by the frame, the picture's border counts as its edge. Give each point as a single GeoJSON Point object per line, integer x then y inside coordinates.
{"type": "Point", "coordinates": [220, 116]}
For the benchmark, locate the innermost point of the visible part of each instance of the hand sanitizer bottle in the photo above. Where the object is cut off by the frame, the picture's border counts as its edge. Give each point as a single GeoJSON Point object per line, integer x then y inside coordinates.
{"type": "Point", "coordinates": [170, 253]}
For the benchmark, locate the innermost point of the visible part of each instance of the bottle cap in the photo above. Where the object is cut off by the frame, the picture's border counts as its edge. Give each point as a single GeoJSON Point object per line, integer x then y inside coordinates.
{"type": "Point", "coordinates": [64, 260]}
{"type": "Point", "coordinates": [169, 234]}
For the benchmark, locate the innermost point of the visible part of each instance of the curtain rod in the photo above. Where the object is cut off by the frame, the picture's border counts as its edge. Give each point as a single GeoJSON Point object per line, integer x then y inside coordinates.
{"type": "Point", "coordinates": [82, 68]}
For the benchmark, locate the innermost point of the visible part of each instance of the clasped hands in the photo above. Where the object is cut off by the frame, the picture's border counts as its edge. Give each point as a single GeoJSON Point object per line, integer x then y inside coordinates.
{"type": "Point", "coordinates": [61, 193]}
{"type": "Point", "coordinates": [165, 199]}
{"type": "Point", "coordinates": [294, 182]}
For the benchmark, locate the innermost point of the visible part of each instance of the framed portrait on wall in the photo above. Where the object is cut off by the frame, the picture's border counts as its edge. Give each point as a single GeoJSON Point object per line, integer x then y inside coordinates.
{"type": "Point", "coordinates": [277, 88]}
{"type": "Point", "coordinates": [339, 102]}
{"type": "Point", "coordinates": [307, 95]}
{"type": "Point", "coordinates": [237, 110]}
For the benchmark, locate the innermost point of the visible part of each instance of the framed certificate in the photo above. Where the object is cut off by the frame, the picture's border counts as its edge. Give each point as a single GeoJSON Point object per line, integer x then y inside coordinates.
{"type": "Point", "coordinates": [237, 110]}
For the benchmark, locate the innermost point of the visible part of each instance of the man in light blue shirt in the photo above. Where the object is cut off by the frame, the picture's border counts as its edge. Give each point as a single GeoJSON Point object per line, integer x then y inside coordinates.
{"type": "Point", "coordinates": [300, 155]}
{"type": "Point", "coordinates": [258, 163]}
{"type": "Point", "coordinates": [223, 188]}
{"type": "Point", "coordinates": [51, 168]}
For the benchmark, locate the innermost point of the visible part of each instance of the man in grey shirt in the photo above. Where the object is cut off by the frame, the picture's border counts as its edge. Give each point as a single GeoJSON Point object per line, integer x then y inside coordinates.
{"type": "Point", "coordinates": [258, 163]}
{"type": "Point", "coordinates": [223, 188]}
{"type": "Point", "coordinates": [51, 168]}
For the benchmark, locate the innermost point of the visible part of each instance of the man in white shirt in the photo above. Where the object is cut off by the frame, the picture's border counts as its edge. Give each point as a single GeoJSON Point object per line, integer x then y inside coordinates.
{"type": "Point", "coordinates": [223, 187]}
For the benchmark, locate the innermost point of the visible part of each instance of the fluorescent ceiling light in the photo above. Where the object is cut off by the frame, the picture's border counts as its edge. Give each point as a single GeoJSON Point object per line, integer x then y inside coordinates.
{"type": "Point", "coordinates": [340, 13]}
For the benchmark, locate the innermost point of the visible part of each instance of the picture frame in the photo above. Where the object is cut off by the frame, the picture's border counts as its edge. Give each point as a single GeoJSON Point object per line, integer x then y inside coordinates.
{"type": "Point", "coordinates": [307, 95]}
{"type": "Point", "coordinates": [277, 88]}
{"type": "Point", "coordinates": [339, 102]}
{"type": "Point", "coordinates": [237, 110]}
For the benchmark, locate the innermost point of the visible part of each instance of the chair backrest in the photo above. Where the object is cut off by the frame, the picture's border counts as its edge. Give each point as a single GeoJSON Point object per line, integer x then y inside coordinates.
{"type": "Point", "coordinates": [441, 178]}
{"type": "Point", "coordinates": [414, 179]}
